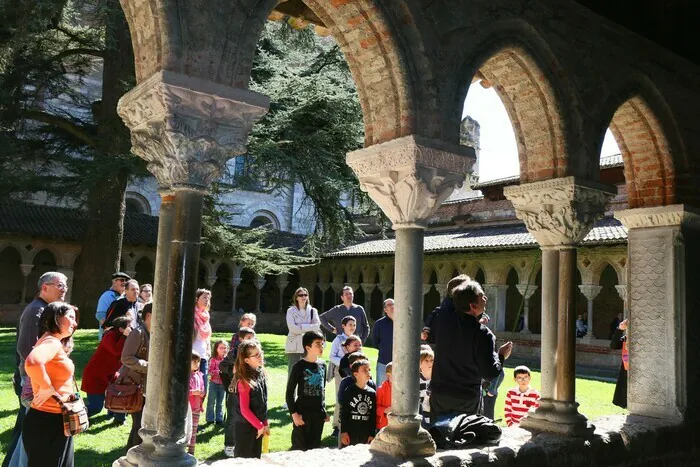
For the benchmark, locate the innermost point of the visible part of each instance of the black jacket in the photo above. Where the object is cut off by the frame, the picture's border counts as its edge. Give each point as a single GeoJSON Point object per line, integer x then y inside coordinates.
{"type": "Point", "coordinates": [258, 402]}
{"type": "Point", "coordinates": [358, 414]}
{"type": "Point", "coordinates": [465, 353]}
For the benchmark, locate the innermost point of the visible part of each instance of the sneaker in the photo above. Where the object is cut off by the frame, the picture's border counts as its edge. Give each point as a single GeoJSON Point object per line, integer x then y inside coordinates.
{"type": "Point", "coordinates": [335, 432]}
{"type": "Point", "coordinates": [284, 406]}
{"type": "Point", "coordinates": [229, 450]}
{"type": "Point", "coordinates": [220, 423]}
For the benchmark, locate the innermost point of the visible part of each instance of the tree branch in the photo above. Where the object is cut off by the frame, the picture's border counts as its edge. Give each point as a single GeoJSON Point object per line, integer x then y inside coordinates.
{"type": "Point", "coordinates": [62, 123]}
{"type": "Point", "coordinates": [78, 51]}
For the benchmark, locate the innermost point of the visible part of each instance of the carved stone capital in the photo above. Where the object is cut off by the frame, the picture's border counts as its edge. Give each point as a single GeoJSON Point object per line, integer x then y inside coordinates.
{"type": "Point", "coordinates": [410, 177]}
{"type": "Point", "coordinates": [561, 211]}
{"type": "Point", "coordinates": [323, 286]}
{"type": "Point", "coordinates": [186, 127]}
{"type": "Point", "coordinates": [26, 269]}
{"type": "Point", "coordinates": [526, 290]}
{"type": "Point", "coordinates": [368, 287]}
{"type": "Point", "coordinates": [337, 286]}
{"type": "Point", "coordinates": [235, 282]}
{"type": "Point", "coordinates": [590, 291]}
{"type": "Point", "coordinates": [661, 216]}
{"type": "Point", "coordinates": [426, 288]}
{"type": "Point", "coordinates": [385, 288]}
{"type": "Point", "coordinates": [259, 282]}
{"type": "Point", "coordinates": [622, 291]}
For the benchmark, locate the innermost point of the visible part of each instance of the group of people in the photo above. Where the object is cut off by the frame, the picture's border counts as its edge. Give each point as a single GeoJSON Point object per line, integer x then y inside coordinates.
{"type": "Point", "coordinates": [460, 369]}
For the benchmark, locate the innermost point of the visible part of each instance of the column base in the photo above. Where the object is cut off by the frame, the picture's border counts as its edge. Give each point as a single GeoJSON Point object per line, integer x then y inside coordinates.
{"type": "Point", "coordinates": [557, 417]}
{"type": "Point", "coordinates": [404, 437]}
{"type": "Point", "coordinates": [525, 331]}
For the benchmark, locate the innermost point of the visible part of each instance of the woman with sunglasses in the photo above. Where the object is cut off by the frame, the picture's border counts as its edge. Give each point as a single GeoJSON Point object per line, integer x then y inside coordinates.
{"type": "Point", "coordinates": [301, 317]}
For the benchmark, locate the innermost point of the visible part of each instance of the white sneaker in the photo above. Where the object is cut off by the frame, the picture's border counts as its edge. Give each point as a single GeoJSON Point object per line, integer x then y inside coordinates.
{"type": "Point", "coordinates": [228, 450]}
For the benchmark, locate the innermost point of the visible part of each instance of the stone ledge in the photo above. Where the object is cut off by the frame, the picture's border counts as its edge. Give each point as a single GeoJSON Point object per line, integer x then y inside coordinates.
{"type": "Point", "coordinates": [618, 440]}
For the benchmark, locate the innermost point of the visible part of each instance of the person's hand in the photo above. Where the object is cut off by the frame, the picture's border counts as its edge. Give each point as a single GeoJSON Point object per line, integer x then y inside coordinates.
{"type": "Point", "coordinates": [127, 331]}
{"type": "Point", "coordinates": [261, 431]}
{"type": "Point", "coordinates": [298, 420]}
{"type": "Point", "coordinates": [345, 439]}
{"type": "Point", "coordinates": [369, 440]}
{"type": "Point", "coordinates": [387, 410]}
{"type": "Point", "coordinates": [623, 325]}
{"type": "Point", "coordinates": [267, 430]}
{"type": "Point", "coordinates": [484, 319]}
{"type": "Point", "coordinates": [327, 419]}
{"type": "Point", "coordinates": [506, 350]}
{"type": "Point", "coordinates": [42, 395]}
{"type": "Point", "coordinates": [424, 335]}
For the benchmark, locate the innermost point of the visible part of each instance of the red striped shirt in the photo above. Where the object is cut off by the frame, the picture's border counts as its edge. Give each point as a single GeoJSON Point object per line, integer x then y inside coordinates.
{"type": "Point", "coordinates": [518, 403]}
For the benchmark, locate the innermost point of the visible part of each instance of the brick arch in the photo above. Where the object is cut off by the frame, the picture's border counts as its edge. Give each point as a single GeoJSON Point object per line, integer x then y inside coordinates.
{"type": "Point", "coordinates": [652, 150]}
{"type": "Point", "coordinates": [216, 41]}
{"type": "Point", "coordinates": [541, 102]}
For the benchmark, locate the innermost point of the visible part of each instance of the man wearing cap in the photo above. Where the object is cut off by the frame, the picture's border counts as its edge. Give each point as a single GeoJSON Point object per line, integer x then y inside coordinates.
{"type": "Point", "coordinates": [119, 280]}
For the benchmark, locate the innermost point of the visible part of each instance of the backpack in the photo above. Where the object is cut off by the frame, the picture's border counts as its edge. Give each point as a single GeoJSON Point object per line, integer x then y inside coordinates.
{"type": "Point", "coordinates": [464, 430]}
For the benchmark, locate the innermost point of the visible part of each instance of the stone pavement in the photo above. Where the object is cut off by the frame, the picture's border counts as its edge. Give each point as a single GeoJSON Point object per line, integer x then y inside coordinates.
{"type": "Point", "coordinates": [618, 440]}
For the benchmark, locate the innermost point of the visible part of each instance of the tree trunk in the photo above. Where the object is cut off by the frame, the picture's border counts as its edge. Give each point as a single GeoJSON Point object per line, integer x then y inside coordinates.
{"type": "Point", "coordinates": [102, 244]}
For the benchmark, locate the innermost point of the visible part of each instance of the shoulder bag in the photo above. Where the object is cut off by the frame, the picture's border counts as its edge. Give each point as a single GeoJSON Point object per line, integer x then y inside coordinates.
{"type": "Point", "coordinates": [124, 396]}
{"type": "Point", "coordinates": [75, 417]}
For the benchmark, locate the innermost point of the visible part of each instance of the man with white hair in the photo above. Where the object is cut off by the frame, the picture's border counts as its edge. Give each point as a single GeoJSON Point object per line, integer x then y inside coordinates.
{"type": "Point", "coordinates": [52, 288]}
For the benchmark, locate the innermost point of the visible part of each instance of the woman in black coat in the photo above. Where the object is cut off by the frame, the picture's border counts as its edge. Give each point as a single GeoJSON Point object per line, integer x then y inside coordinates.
{"type": "Point", "coordinates": [619, 341]}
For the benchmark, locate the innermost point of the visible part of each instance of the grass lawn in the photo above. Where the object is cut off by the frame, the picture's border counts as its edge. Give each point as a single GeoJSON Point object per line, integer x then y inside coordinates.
{"type": "Point", "coordinates": [103, 442]}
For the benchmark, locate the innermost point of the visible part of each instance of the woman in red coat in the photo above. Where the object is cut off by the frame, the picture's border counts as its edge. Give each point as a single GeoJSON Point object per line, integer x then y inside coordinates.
{"type": "Point", "coordinates": [103, 364]}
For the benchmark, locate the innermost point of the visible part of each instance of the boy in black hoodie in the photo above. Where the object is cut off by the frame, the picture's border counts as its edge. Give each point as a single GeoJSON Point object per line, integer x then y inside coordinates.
{"type": "Point", "coordinates": [358, 414]}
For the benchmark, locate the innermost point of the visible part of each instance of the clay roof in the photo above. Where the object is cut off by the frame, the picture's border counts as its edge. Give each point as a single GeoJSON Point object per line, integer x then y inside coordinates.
{"type": "Point", "coordinates": [606, 231]}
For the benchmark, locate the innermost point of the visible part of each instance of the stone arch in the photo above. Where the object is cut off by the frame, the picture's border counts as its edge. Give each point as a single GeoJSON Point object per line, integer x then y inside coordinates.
{"type": "Point", "coordinates": [511, 278]}
{"type": "Point", "coordinates": [384, 52]}
{"type": "Point", "coordinates": [474, 269]}
{"type": "Point", "coordinates": [44, 261]}
{"type": "Point", "coordinates": [264, 217]}
{"type": "Point", "coordinates": [608, 303]}
{"type": "Point", "coordinates": [541, 104]}
{"type": "Point", "coordinates": [651, 146]}
{"type": "Point", "coordinates": [137, 203]}
{"type": "Point", "coordinates": [145, 270]}
{"type": "Point", "coordinates": [502, 273]}
{"type": "Point", "coordinates": [596, 270]}
{"type": "Point", "coordinates": [429, 269]}
{"type": "Point", "coordinates": [12, 278]}
{"type": "Point", "coordinates": [222, 288]}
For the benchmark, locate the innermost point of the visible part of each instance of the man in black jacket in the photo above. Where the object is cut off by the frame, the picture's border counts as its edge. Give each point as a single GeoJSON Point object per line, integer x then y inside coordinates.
{"type": "Point", "coordinates": [465, 352]}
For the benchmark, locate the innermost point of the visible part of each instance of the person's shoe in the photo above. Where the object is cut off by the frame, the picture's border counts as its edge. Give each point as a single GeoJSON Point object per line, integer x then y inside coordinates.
{"type": "Point", "coordinates": [220, 423]}
{"type": "Point", "coordinates": [229, 451]}
{"type": "Point", "coordinates": [118, 422]}
{"type": "Point", "coordinates": [284, 406]}
{"type": "Point", "coordinates": [335, 433]}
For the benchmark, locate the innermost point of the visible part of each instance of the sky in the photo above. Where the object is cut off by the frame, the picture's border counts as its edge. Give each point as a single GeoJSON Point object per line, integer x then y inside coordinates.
{"type": "Point", "coordinates": [499, 153]}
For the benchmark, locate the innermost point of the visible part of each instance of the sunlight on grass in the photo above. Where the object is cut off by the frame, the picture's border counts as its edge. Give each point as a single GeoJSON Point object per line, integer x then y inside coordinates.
{"type": "Point", "coordinates": [104, 442]}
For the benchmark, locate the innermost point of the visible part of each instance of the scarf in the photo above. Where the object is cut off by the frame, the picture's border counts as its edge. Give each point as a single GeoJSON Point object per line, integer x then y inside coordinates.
{"type": "Point", "coordinates": [201, 323]}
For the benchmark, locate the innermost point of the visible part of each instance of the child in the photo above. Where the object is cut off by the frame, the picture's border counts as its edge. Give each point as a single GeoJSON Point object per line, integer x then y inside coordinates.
{"type": "Point", "coordinates": [196, 398]}
{"type": "Point", "coordinates": [521, 398]}
{"type": "Point", "coordinates": [217, 392]}
{"type": "Point", "coordinates": [346, 383]}
{"type": "Point", "coordinates": [226, 373]}
{"type": "Point", "coordinates": [308, 380]}
{"type": "Point", "coordinates": [338, 351]}
{"type": "Point", "coordinates": [384, 399]}
{"type": "Point", "coordinates": [352, 344]}
{"type": "Point", "coordinates": [249, 394]}
{"type": "Point", "coordinates": [248, 321]}
{"type": "Point", "coordinates": [427, 357]}
{"type": "Point", "coordinates": [359, 412]}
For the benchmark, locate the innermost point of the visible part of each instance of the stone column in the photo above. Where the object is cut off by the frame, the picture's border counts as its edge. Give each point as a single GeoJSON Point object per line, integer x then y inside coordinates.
{"type": "Point", "coordinates": [622, 292]}
{"type": "Point", "coordinates": [368, 288]}
{"type": "Point", "coordinates": [527, 291]}
{"type": "Point", "coordinates": [442, 290]}
{"type": "Point", "coordinates": [384, 289]}
{"type": "Point", "coordinates": [26, 269]}
{"type": "Point", "coordinates": [131, 273]}
{"type": "Point", "coordinates": [185, 128]}
{"type": "Point", "coordinates": [259, 283]}
{"type": "Point", "coordinates": [282, 283]}
{"type": "Point", "coordinates": [235, 282]}
{"type": "Point", "coordinates": [337, 288]}
{"type": "Point", "coordinates": [323, 286]}
{"type": "Point", "coordinates": [590, 291]}
{"type": "Point", "coordinates": [426, 289]}
{"type": "Point", "coordinates": [663, 253]}
{"type": "Point", "coordinates": [496, 294]}
{"type": "Point", "coordinates": [559, 213]}
{"type": "Point", "coordinates": [211, 280]}
{"type": "Point", "coordinates": [408, 178]}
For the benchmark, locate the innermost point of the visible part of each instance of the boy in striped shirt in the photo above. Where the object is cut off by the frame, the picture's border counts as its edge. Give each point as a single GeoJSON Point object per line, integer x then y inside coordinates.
{"type": "Point", "coordinates": [522, 398]}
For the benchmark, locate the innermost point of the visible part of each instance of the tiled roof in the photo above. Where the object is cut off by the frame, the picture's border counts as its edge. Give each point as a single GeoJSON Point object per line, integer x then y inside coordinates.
{"type": "Point", "coordinates": [606, 231]}
{"type": "Point", "coordinates": [614, 160]}
{"type": "Point", "coordinates": [36, 220]}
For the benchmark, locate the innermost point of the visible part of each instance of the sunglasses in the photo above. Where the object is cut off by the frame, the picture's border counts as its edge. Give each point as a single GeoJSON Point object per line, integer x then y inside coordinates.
{"type": "Point", "coordinates": [303, 295]}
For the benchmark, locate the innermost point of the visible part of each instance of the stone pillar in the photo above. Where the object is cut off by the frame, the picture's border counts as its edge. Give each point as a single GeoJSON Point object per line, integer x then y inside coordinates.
{"type": "Point", "coordinates": [384, 289]}
{"type": "Point", "coordinates": [185, 128]}
{"type": "Point", "coordinates": [235, 282]}
{"type": "Point", "coordinates": [282, 283]}
{"type": "Point", "coordinates": [259, 283]}
{"type": "Point", "coordinates": [622, 292]}
{"type": "Point", "coordinates": [368, 288]}
{"type": "Point", "coordinates": [408, 178]}
{"type": "Point", "coordinates": [663, 253]}
{"type": "Point", "coordinates": [496, 294]}
{"type": "Point", "coordinates": [337, 288]}
{"type": "Point", "coordinates": [527, 291]}
{"type": "Point", "coordinates": [442, 290]}
{"type": "Point", "coordinates": [26, 269]}
{"type": "Point", "coordinates": [211, 280]}
{"type": "Point", "coordinates": [590, 291]}
{"type": "Point", "coordinates": [131, 273]}
{"type": "Point", "coordinates": [426, 289]}
{"type": "Point", "coordinates": [323, 286]}
{"type": "Point", "coordinates": [559, 213]}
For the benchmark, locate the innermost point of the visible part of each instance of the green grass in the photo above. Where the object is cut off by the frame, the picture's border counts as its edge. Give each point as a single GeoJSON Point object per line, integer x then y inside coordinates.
{"type": "Point", "coordinates": [103, 442]}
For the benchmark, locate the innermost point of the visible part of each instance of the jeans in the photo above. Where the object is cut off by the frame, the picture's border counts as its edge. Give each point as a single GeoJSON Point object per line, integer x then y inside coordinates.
{"type": "Point", "coordinates": [16, 434]}
{"type": "Point", "coordinates": [204, 368]}
{"type": "Point", "coordinates": [95, 403]}
{"type": "Point", "coordinates": [381, 373]}
{"type": "Point", "coordinates": [216, 396]}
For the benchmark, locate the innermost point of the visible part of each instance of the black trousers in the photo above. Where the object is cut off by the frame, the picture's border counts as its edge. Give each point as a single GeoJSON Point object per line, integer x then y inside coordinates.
{"type": "Point", "coordinates": [489, 406]}
{"type": "Point", "coordinates": [230, 430]}
{"type": "Point", "coordinates": [308, 436]}
{"type": "Point", "coordinates": [247, 443]}
{"type": "Point", "coordinates": [445, 404]}
{"type": "Point", "coordinates": [134, 438]}
{"type": "Point", "coordinates": [44, 441]}
{"type": "Point", "coordinates": [620, 395]}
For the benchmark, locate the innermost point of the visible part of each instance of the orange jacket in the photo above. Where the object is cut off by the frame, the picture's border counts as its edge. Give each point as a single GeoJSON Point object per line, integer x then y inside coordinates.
{"type": "Point", "coordinates": [383, 403]}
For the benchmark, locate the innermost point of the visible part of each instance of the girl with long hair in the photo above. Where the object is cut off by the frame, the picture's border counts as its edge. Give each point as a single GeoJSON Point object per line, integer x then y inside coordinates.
{"type": "Point", "coordinates": [249, 390]}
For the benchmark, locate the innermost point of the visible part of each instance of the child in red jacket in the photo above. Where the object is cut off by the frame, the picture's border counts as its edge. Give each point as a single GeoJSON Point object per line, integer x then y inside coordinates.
{"type": "Point", "coordinates": [384, 399]}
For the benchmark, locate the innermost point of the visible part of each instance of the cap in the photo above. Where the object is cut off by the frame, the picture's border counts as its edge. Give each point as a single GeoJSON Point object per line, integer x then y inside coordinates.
{"type": "Point", "coordinates": [121, 275]}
